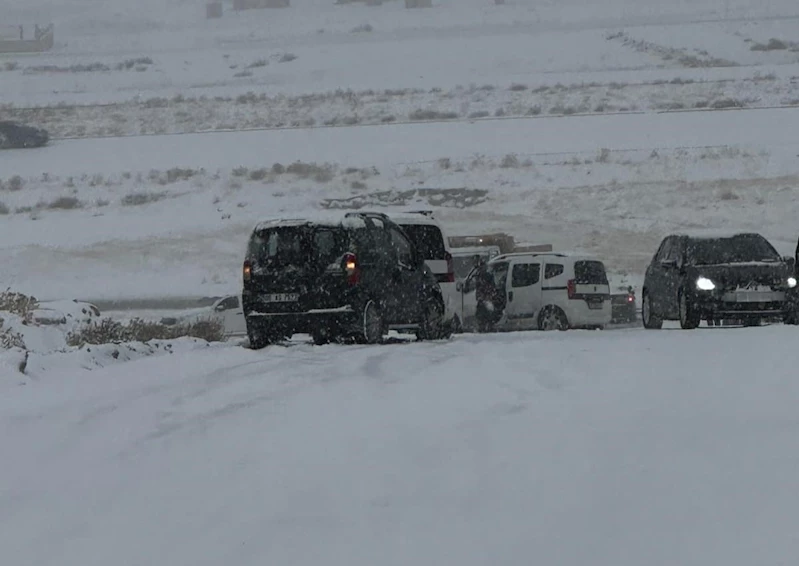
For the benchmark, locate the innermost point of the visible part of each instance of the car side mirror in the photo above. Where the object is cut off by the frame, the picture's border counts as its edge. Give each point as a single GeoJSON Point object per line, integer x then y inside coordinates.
{"type": "Point", "coordinates": [791, 261]}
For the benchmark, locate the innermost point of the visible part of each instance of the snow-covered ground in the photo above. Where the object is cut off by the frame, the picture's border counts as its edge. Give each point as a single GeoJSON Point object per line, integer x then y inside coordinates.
{"type": "Point", "coordinates": [623, 448]}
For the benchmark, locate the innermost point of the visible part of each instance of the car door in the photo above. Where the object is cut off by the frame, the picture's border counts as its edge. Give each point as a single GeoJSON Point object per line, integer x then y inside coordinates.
{"type": "Point", "coordinates": [235, 324]}
{"type": "Point", "coordinates": [408, 276]}
{"type": "Point", "coordinates": [523, 293]}
{"type": "Point", "coordinates": [672, 276]}
{"type": "Point", "coordinates": [657, 279]}
{"type": "Point", "coordinates": [467, 301]}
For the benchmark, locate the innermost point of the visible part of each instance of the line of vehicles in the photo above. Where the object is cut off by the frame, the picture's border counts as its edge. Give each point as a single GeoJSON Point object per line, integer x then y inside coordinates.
{"type": "Point", "coordinates": [357, 275]}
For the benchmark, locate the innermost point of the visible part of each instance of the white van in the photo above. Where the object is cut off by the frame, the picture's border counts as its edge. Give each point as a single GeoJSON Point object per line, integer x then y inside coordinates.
{"type": "Point", "coordinates": [545, 291]}
{"type": "Point", "coordinates": [430, 239]}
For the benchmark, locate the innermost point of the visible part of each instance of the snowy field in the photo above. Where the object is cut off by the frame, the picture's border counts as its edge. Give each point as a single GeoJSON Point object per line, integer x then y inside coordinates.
{"type": "Point", "coordinates": [614, 448]}
{"type": "Point", "coordinates": [598, 126]}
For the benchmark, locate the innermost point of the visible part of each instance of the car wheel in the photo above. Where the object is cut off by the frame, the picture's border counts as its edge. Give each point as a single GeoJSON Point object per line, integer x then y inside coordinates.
{"type": "Point", "coordinates": [752, 322]}
{"type": "Point", "coordinates": [552, 318]}
{"type": "Point", "coordinates": [257, 336]}
{"type": "Point", "coordinates": [689, 317]}
{"type": "Point", "coordinates": [651, 322]}
{"type": "Point", "coordinates": [791, 316]}
{"type": "Point", "coordinates": [321, 337]}
{"type": "Point", "coordinates": [370, 330]}
{"type": "Point", "coordinates": [432, 326]}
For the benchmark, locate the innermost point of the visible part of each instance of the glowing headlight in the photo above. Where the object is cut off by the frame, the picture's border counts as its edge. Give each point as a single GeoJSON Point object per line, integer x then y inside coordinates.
{"type": "Point", "coordinates": [791, 282]}
{"type": "Point", "coordinates": [705, 284]}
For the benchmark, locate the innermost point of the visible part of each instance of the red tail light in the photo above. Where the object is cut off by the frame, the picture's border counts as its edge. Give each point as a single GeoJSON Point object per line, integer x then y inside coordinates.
{"type": "Point", "coordinates": [571, 288]}
{"type": "Point", "coordinates": [350, 264]}
{"type": "Point", "coordinates": [630, 298]}
{"type": "Point", "coordinates": [450, 267]}
{"type": "Point", "coordinates": [246, 271]}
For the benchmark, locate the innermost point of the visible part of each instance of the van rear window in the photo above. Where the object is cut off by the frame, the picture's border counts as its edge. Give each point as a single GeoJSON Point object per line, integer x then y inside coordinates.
{"type": "Point", "coordinates": [427, 239]}
{"type": "Point", "coordinates": [297, 245]}
{"type": "Point", "coordinates": [590, 272]}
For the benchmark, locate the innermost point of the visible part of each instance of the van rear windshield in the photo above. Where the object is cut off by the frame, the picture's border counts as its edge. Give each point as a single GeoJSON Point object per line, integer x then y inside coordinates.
{"type": "Point", "coordinates": [590, 272]}
{"type": "Point", "coordinates": [297, 245]}
{"type": "Point", "coordinates": [427, 239]}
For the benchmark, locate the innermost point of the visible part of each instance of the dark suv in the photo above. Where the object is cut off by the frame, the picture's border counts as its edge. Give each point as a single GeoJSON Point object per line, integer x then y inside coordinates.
{"type": "Point", "coordinates": [739, 278]}
{"type": "Point", "coordinates": [354, 277]}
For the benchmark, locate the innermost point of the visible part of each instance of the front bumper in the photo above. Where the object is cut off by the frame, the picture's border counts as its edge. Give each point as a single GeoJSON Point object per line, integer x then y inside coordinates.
{"type": "Point", "coordinates": [742, 303]}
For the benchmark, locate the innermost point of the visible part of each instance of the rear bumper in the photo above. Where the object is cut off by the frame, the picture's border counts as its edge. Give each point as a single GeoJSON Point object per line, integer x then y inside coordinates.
{"type": "Point", "coordinates": [304, 322]}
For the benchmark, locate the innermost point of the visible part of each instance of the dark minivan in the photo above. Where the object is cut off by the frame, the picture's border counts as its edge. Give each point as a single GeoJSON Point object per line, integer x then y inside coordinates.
{"type": "Point", "coordinates": [350, 277]}
{"type": "Point", "coordinates": [739, 278]}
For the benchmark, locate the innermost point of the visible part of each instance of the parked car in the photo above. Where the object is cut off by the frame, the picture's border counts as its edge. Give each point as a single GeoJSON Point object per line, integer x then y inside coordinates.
{"type": "Point", "coordinates": [429, 237]}
{"type": "Point", "coordinates": [226, 310]}
{"type": "Point", "coordinates": [354, 276]}
{"type": "Point", "coordinates": [623, 306]}
{"type": "Point", "coordinates": [70, 314]}
{"type": "Point", "coordinates": [544, 291]}
{"type": "Point", "coordinates": [739, 277]}
{"type": "Point", "coordinates": [17, 136]}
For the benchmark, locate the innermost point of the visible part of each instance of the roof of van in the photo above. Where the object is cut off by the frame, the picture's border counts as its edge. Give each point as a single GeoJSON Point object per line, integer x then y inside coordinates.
{"type": "Point", "coordinates": [473, 250]}
{"type": "Point", "coordinates": [319, 219]}
{"type": "Point", "coordinates": [414, 217]}
{"type": "Point", "coordinates": [563, 254]}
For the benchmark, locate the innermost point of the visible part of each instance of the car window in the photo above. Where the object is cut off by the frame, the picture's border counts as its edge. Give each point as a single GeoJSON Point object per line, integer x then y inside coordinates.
{"type": "Point", "coordinates": [297, 245]}
{"type": "Point", "coordinates": [552, 270]}
{"type": "Point", "coordinates": [328, 246]}
{"type": "Point", "coordinates": [738, 249]}
{"type": "Point", "coordinates": [590, 272]}
{"type": "Point", "coordinates": [229, 303]}
{"type": "Point", "coordinates": [665, 248]}
{"type": "Point", "coordinates": [427, 239]}
{"type": "Point", "coordinates": [525, 274]}
{"type": "Point", "coordinates": [374, 246]}
{"type": "Point", "coordinates": [499, 272]}
{"type": "Point", "coordinates": [402, 245]}
{"type": "Point", "coordinates": [281, 245]}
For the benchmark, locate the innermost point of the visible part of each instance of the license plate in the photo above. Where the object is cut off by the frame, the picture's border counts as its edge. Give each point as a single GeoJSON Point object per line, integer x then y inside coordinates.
{"type": "Point", "coordinates": [757, 296]}
{"type": "Point", "coordinates": [596, 305]}
{"type": "Point", "coordinates": [281, 298]}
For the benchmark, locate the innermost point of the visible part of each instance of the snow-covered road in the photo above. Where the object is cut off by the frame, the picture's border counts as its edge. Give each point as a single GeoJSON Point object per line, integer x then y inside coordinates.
{"type": "Point", "coordinates": [408, 143]}
{"type": "Point", "coordinates": [622, 448]}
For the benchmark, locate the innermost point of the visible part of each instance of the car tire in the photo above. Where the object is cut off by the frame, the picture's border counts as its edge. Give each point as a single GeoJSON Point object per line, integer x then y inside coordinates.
{"type": "Point", "coordinates": [321, 337]}
{"type": "Point", "coordinates": [791, 316]}
{"type": "Point", "coordinates": [651, 322]}
{"type": "Point", "coordinates": [689, 317]}
{"type": "Point", "coordinates": [755, 321]}
{"type": "Point", "coordinates": [370, 324]}
{"type": "Point", "coordinates": [257, 335]}
{"type": "Point", "coordinates": [432, 326]}
{"type": "Point", "coordinates": [552, 318]}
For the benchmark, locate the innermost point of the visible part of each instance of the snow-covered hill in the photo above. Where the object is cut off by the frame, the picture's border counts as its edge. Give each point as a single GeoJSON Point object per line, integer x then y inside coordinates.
{"type": "Point", "coordinates": [619, 447]}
